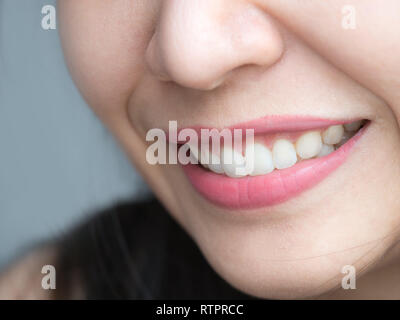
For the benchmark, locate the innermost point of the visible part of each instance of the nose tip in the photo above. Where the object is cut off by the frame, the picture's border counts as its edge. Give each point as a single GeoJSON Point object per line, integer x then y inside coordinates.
{"type": "Point", "coordinates": [197, 44]}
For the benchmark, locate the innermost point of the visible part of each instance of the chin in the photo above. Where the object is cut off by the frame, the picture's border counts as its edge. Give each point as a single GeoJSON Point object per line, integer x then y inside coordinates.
{"type": "Point", "coordinates": [292, 243]}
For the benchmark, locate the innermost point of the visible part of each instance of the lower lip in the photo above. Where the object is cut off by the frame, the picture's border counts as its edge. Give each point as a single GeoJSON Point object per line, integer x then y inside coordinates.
{"type": "Point", "coordinates": [270, 189]}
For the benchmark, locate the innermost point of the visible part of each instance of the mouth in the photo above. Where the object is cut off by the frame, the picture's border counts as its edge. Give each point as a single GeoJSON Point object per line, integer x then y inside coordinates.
{"type": "Point", "coordinates": [288, 157]}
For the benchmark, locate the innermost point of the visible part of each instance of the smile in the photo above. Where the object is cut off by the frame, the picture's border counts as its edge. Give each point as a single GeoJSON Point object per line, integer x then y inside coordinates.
{"type": "Point", "coordinates": [288, 158]}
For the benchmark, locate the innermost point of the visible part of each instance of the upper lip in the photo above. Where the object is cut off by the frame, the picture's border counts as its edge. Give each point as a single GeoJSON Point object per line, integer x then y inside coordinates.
{"type": "Point", "coordinates": [275, 124]}
{"type": "Point", "coordinates": [278, 123]}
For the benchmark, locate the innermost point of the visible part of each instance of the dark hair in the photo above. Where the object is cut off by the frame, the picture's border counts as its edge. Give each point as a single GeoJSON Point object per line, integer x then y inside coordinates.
{"type": "Point", "coordinates": [136, 251]}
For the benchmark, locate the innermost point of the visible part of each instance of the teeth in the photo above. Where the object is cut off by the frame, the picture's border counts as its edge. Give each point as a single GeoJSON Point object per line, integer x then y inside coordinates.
{"type": "Point", "coordinates": [354, 126]}
{"type": "Point", "coordinates": [283, 154]}
{"type": "Point", "coordinates": [207, 160]}
{"type": "Point", "coordinates": [261, 159]}
{"type": "Point", "coordinates": [215, 164]}
{"type": "Point", "coordinates": [333, 134]}
{"type": "Point", "coordinates": [309, 145]}
{"type": "Point", "coordinates": [325, 150]}
{"type": "Point", "coordinates": [198, 155]}
{"type": "Point", "coordinates": [231, 161]}
{"type": "Point", "coordinates": [205, 157]}
{"type": "Point", "coordinates": [346, 137]}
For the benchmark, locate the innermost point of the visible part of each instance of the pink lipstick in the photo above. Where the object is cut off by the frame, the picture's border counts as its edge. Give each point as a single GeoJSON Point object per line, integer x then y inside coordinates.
{"type": "Point", "coordinates": [278, 186]}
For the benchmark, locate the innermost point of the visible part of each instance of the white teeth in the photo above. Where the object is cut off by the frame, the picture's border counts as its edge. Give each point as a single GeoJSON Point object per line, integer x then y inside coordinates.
{"type": "Point", "coordinates": [215, 164]}
{"type": "Point", "coordinates": [354, 126]}
{"type": "Point", "coordinates": [261, 159]}
{"type": "Point", "coordinates": [333, 134]}
{"type": "Point", "coordinates": [309, 145]}
{"type": "Point", "coordinates": [325, 150]}
{"type": "Point", "coordinates": [207, 160]}
{"type": "Point", "coordinates": [198, 155]}
{"type": "Point", "coordinates": [205, 157]}
{"type": "Point", "coordinates": [284, 154]}
{"type": "Point", "coordinates": [231, 161]}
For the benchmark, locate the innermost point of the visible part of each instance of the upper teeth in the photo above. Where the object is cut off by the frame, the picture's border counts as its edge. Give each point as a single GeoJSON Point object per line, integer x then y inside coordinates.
{"type": "Point", "coordinates": [333, 134]}
{"type": "Point", "coordinates": [284, 153]}
{"type": "Point", "coordinates": [232, 160]}
{"type": "Point", "coordinates": [262, 159]}
{"type": "Point", "coordinates": [309, 145]}
{"type": "Point", "coordinates": [354, 126]}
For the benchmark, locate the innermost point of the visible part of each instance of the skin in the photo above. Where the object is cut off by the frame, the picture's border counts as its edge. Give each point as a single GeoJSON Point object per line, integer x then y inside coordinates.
{"type": "Point", "coordinates": [216, 63]}
{"type": "Point", "coordinates": [23, 280]}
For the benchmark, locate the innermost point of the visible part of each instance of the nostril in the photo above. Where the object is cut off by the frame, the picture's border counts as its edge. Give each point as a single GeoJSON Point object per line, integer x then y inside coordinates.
{"type": "Point", "coordinates": [202, 54]}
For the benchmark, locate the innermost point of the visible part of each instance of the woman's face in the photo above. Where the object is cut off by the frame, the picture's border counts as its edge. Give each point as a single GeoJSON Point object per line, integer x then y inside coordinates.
{"type": "Point", "coordinates": [285, 68]}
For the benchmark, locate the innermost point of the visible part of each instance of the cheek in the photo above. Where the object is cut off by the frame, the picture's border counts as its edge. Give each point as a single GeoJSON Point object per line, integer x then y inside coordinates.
{"type": "Point", "coordinates": [368, 53]}
{"type": "Point", "coordinates": [104, 45]}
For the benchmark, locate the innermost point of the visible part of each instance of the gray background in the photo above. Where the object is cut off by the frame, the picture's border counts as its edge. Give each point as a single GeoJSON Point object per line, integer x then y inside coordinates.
{"type": "Point", "coordinates": [57, 162]}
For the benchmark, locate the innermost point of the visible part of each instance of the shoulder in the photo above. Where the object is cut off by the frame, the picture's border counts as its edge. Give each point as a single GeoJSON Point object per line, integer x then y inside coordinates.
{"type": "Point", "coordinates": [79, 252]}
{"type": "Point", "coordinates": [23, 279]}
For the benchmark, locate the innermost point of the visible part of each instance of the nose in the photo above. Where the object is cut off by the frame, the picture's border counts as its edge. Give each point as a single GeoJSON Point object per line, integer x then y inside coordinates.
{"type": "Point", "coordinates": [198, 43]}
